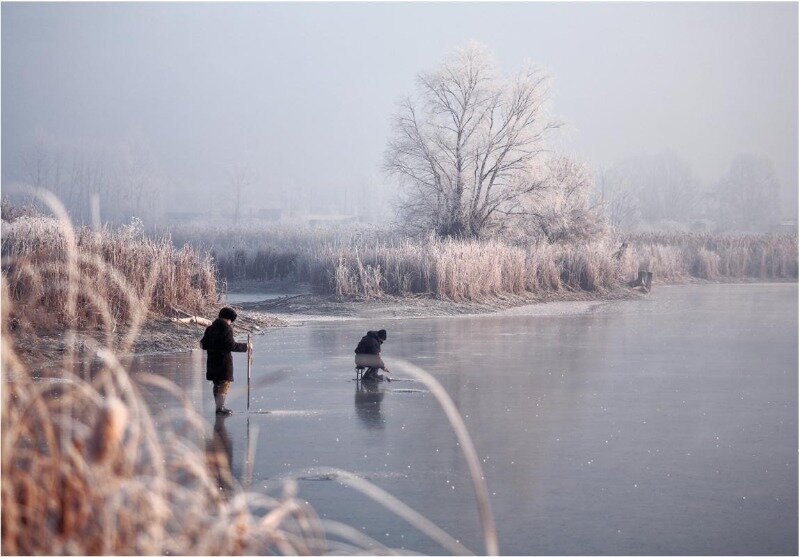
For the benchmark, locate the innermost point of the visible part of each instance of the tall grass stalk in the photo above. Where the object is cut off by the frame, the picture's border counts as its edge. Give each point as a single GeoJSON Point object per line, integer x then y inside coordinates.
{"type": "Point", "coordinates": [89, 468]}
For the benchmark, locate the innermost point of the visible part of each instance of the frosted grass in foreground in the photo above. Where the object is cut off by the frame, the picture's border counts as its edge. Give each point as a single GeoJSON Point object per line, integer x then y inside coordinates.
{"type": "Point", "coordinates": [88, 468]}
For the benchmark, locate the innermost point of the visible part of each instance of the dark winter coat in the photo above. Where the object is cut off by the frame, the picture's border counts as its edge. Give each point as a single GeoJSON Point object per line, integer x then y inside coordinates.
{"type": "Point", "coordinates": [219, 343]}
{"type": "Point", "coordinates": [369, 344]}
{"type": "Point", "coordinates": [368, 350]}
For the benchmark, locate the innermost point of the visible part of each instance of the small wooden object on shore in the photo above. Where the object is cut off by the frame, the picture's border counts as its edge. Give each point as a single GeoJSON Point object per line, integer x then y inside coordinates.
{"type": "Point", "coordinates": [643, 281]}
{"type": "Point", "coordinates": [189, 318]}
{"type": "Point", "coordinates": [192, 320]}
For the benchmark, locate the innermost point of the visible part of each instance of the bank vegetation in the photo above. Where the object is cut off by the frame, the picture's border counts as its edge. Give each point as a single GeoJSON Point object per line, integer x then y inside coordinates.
{"type": "Point", "coordinates": [92, 466]}
{"type": "Point", "coordinates": [40, 254]}
{"type": "Point", "coordinates": [369, 262]}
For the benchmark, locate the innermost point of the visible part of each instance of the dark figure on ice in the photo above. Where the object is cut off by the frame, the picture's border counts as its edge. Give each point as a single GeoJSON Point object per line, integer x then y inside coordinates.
{"type": "Point", "coordinates": [218, 341]}
{"type": "Point", "coordinates": [368, 355]}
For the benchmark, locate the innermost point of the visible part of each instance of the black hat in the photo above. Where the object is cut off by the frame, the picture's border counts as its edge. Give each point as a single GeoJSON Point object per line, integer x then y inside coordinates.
{"type": "Point", "coordinates": [382, 334]}
{"type": "Point", "coordinates": [227, 313]}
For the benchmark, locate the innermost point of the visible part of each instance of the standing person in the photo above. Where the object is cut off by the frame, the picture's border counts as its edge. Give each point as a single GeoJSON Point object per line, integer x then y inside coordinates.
{"type": "Point", "coordinates": [368, 355]}
{"type": "Point", "coordinates": [218, 341]}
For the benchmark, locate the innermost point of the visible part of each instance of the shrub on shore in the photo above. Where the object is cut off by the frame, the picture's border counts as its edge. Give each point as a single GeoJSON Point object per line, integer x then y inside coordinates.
{"type": "Point", "coordinates": [462, 270]}
{"type": "Point", "coordinates": [677, 256]}
{"type": "Point", "coordinates": [367, 262]}
{"type": "Point", "coordinates": [40, 253]}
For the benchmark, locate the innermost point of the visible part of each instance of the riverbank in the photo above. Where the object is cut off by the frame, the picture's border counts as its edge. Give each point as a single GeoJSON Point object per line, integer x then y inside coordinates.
{"type": "Point", "coordinates": [59, 278]}
{"type": "Point", "coordinates": [297, 305]}
{"type": "Point", "coordinates": [367, 262]}
{"type": "Point", "coordinates": [159, 335]}
{"type": "Point", "coordinates": [299, 309]}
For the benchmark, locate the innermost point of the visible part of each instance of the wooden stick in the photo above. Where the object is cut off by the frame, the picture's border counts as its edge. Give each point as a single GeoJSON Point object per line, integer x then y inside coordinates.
{"type": "Point", "coordinates": [249, 366]}
{"type": "Point", "coordinates": [248, 468]}
{"type": "Point", "coordinates": [192, 320]}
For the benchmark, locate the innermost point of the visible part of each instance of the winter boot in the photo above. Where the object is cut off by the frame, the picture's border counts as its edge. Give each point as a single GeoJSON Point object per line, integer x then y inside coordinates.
{"type": "Point", "coordinates": [219, 399]}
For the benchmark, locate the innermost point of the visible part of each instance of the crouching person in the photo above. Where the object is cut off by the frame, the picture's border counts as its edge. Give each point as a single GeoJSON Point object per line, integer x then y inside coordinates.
{"type": "Point", "coordinates": [368, 355]}
{"type": "Point", "coordinates": [218, 342]}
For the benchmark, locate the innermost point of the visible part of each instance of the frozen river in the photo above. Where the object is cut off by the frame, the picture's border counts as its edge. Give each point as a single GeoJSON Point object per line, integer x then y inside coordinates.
{"type": "Point", "coordinates": [659, 426]}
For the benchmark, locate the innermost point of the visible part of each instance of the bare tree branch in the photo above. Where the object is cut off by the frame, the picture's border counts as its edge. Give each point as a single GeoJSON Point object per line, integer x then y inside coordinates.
{"type": "Point", "coordinates": [469, 140]}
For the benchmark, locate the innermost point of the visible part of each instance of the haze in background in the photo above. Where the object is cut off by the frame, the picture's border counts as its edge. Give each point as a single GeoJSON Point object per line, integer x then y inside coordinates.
{"type": "Point", "coordinates": [300, 96]}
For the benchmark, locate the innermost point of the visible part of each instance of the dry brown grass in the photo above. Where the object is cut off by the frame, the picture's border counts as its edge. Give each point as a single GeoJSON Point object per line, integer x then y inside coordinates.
{"type": "Point", "coordinates": [39, 253]}
{"type": "Point", "coordinates": [88, 468]}
{"type": "Point", "coordinates": [677, 256]}
{"type": "Point", "coordinates": [462, 270]}
{"type": "Point", "coordinates": [368, 263]}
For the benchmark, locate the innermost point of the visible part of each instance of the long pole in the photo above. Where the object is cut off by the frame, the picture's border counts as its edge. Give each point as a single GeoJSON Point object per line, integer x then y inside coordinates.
{"type": "Point", "coordinates": [248, 475]}
{"type": "Point", "coordinates": [249, 366]}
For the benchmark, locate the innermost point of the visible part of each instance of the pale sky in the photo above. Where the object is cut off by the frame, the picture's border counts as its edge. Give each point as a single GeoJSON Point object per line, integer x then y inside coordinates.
{"type": "Point", "coordinates": [304, 93]}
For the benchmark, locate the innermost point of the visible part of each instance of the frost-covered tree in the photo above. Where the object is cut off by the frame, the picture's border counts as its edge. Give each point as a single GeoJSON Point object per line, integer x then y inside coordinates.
{"type": "Point", "coordinates": [747, 197]}
{"type": "Point", "coordinates": [560, 210]}
{"type": "Point", "coordinates": [467, 145]}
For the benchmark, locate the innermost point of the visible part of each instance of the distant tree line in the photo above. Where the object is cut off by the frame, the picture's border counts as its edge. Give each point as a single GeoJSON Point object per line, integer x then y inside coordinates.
{"type": "Point", "coordinates": [473, 153]}
{"type": "Point", "coordinates": [108, 184]}
{"type": "Point", "coordinates": [660, 192]}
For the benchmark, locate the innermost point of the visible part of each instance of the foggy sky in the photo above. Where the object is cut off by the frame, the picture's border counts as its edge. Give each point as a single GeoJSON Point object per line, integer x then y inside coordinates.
{"type": "Point", "coordinates": [303, 93]}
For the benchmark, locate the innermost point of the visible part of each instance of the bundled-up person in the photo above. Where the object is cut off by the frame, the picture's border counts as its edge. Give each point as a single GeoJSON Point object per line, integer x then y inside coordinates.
{"type": "Point", "coordinates": [368, 355]}
{"type": "Point", "coordinates": [218, 341]}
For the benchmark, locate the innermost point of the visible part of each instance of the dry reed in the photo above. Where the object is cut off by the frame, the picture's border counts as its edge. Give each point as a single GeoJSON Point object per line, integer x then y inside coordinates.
{"type": "Point", "coordinates": [369, 263]}
{"type": "Point", "coordinates": [108, 261]}
{"type": "Point", "coordinates": [677, 256]}
{"type": "Point", "coordinates": [88, 468]}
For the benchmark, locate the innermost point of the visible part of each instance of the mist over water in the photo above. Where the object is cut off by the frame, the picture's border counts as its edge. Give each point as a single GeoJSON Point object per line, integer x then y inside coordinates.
{"type": "Point", "coordinates": [658, 426]}
{"type": "Point", "coordinates": [179, 99]}
{"type": "Point", "coordinates": [403, 160]}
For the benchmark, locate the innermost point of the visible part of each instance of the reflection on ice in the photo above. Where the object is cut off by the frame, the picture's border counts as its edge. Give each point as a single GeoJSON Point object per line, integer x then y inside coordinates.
{"type": "Point", "coordinates": [369, 396]}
